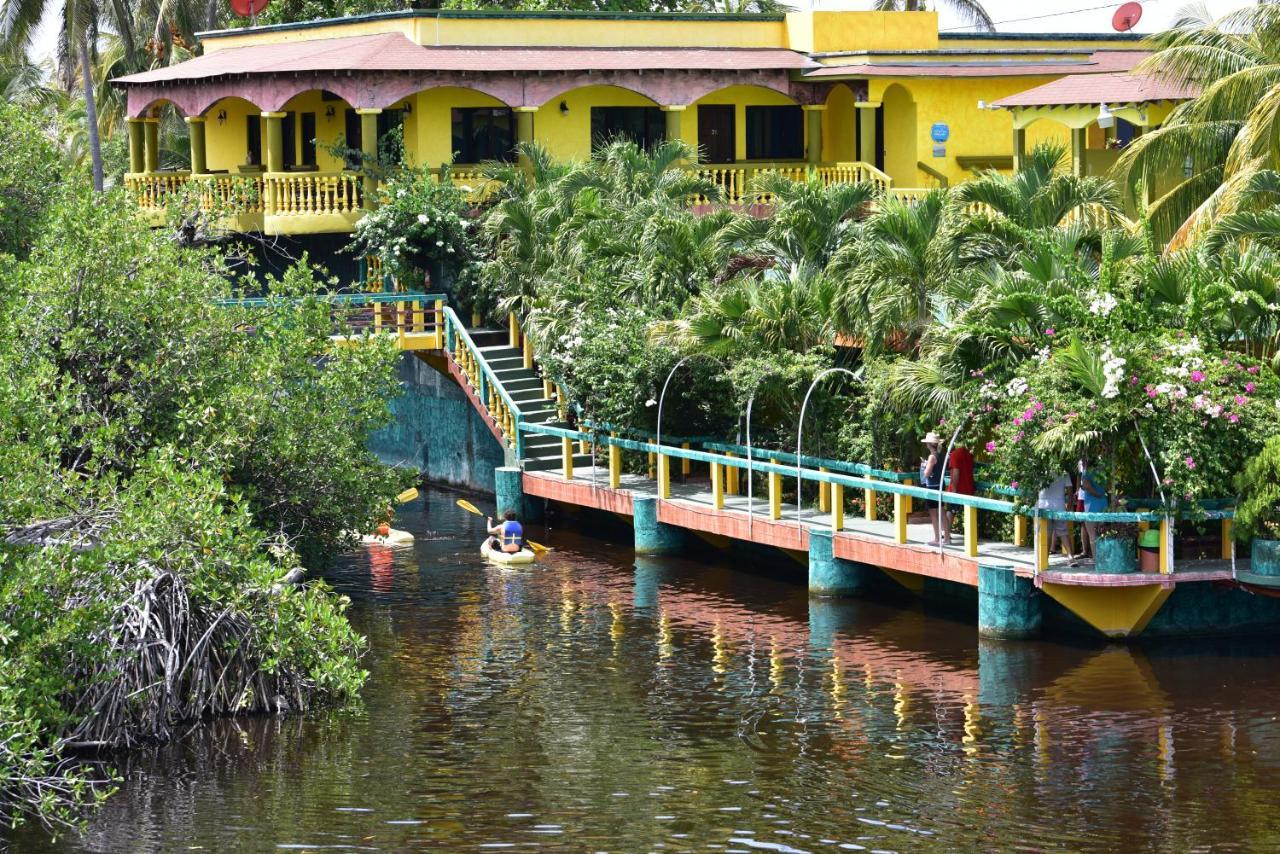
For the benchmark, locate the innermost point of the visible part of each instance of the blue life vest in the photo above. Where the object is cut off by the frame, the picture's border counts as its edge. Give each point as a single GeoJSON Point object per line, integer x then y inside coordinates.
{"type": "Point", "coordinates": [512, 534]}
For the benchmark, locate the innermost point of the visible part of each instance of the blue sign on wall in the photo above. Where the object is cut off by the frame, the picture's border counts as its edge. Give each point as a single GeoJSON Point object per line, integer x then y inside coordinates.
{"type": "Point", "coordinates": [940, 132]}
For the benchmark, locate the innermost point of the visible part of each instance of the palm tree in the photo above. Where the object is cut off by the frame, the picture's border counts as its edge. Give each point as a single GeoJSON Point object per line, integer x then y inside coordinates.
{"type": "Point", "coordinates": [970, 11]}
{"type": "Point", "coordinates": [1222, 139]}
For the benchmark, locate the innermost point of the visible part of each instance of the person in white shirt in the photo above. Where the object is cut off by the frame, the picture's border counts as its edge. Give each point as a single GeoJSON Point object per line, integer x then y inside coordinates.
{"type": "Point", "coordinates": [1054, 497]}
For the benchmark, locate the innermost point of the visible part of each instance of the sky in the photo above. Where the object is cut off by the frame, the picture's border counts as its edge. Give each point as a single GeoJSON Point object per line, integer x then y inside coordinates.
{"type": "Point", "coordinates": [1073, 16]}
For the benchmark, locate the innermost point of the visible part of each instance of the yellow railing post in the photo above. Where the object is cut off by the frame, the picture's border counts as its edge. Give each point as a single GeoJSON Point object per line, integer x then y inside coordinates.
{"type": "Point", "coordinates": [615, 465]}
{"type": "Point", "coordinates": [908, 482]}
{"type": "Point", "coordinates": [1228, 540]}
{"type": "Point", "coordinates": [664, 476]}
{"type": "Point", "coordinates": [869, 504]}
{"type": "Point", "coordinates": [513, 331]}
{"type": "Point", "coordinates": [971, 531]}
{"type": "Point", "coordinates": [775, 495]}
{"type": "Point", "coordinates": [717, 486]}
{"type": "Point", "coordinates": [1166, 535]}
{"type": "Point", "coordinates": [824, 495]}
{"type": "Point", "coordinates": [686, 464]}
{"type": "Point", "coordinates": [1019, 530]}
{"type": "Point", "coordinates": [1042, 544]}
{"type": "Point", "coordinates": [837, 506]}
{"type": "Point", "coordinates": [653, 466]}
{"type": "Point", "coordinates": [566, 457]}
{"type": "Point", "coordinates": [547, 390]}
{"type": "Point", "coordinates": [901, 510]}
{"type": "Point", "coordinates": [438, 325]}
{"type": "Point", "coordinates": [731, 477]}
{"type": "Point", "coordinates": [528, 354]}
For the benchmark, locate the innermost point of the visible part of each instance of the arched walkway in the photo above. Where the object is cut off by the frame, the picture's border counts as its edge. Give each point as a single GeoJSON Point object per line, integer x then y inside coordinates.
{"type": "Point", "coordinates": [900, 136]}
{"type": "Point", "coordinates": [569, 123]}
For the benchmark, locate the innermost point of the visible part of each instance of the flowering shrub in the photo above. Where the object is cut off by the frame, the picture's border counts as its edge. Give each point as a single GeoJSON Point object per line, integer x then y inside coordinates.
{"type": "Point", "coordinates": [421, 230]}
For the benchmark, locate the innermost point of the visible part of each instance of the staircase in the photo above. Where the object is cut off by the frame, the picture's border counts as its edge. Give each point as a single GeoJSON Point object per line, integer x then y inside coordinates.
{"type": "Point", "coordinates": [525, 388]}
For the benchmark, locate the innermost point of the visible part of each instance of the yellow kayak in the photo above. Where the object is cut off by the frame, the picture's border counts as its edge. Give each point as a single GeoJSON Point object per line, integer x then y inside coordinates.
{"type": "Point", "coordinates": [524, 556]}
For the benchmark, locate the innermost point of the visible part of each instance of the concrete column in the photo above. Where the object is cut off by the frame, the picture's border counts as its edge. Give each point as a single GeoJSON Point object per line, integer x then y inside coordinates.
{"type": "Point", "coordinates": [369, 148]}
{"type": "Point", "coordinates": [275, 141]}
{"type": "Point", "coordinates": [833, 576]}
{"type": "Point", "coordinates": [137, 156]}
{"type": "Point", "coordinates": [1077, 152]}
{"type": "Point", "coordinates": [524, 131]}
{"type": "Point", "coordinates": [653, 537]}
{"type": "Point", "coordinates": [508, 490]}
{"type": "Point", "coordinates": [195, 127]}
{"type": "Point", "coordinates": [1008, 604]}
{"type": "Point", "coordinates": [813, 132]}
{"type": "Point", "coordinates": [867, 130]}
{"type": "Point", "coordinates": [1019, 148]}
{"type": "Point", "coordinates": [674, 114]}
{"type": "Point", "coordinates": [151, 144]}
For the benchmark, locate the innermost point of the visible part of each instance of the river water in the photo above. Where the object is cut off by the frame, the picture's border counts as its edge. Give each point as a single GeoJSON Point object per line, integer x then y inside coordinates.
{"type": "Point", "coordinates": [600, 703]}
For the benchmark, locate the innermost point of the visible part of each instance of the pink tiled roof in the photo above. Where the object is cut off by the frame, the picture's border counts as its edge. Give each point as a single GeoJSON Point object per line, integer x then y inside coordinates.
{"type": "Point", "coordinates": [1098, 62]}
{"type": "Point", "coordinates": [1113, 88]}
{"type": "Point", "coordinates": [394, 52]}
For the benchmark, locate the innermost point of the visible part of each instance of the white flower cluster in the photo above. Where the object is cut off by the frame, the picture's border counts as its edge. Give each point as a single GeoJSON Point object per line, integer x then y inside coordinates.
{"type": "Point", "coordinates": [1042, 355]}
{"type": "Point", "coordinates": [1017, 387]}
{"type": "Point", "coordinates": [1113, 372]}
{"type": "Point", "coordinates": [1102, 304]}
{"type": "Point", "coordinates": [1185, 348]}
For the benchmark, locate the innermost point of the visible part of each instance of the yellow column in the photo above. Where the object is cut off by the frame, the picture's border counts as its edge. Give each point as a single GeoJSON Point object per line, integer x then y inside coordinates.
{"type": "Point", "coordinates": [674, 114]}
{"type": "Point", "coordinates": [837, 506]}
{"type": "Point", "coordinates": [813, 132]}
{"type": "Point", "coordinates": [137, 146]}
{"type": "Point", "coordinates": [1019, 148]}
{"type": "Point", "coordinates": [1228, 539]}
{"type": "Point", "coordinates": [664, 476]}
{"type": "Point", "coordinates": [615, 465]}
{"type": "Point", "coordinates": [566, 457]}
{"type": "Point", "coordinates": [717, 485]}
{"type": "Point", "coordinates": [824, 495]}
{"type": "Point", "coordinates": [524, 131]}
{"type": "Point", "coordinates": [731, 477]}
{"type": "Point", "coordinates": [869, 504]}
{"type": "Point", "coordinates": [369, 148]}
{"type": "Point", "coordinates": [275, 141]}
{"type": "Point", "coordinates": [1019, 530]}
{"type": "Point", "coordinates": [528, 354]}
{"type": "Point", "coordinates": [513, 331]}
{"type": "Point", "coordinates": [195, 130]}
{"type": "Point", "coordinates": [901, 510]}
{"type": "Point", "coordinates": [775, 495]}
{"type": "Point", "coordinates": [1077, 152]}
{"type": "Point", "coordinates": [686, 464]}
{"type": "Point", "coordinates": [653, 466]}
{"type": "Point", "coordinates": [971, 531]}
{"type": "Point", "coordinates": [1166, 535]}
{"type": "Point", "coordinates": [547, 391]}
{"type": "Point", "coordinates": [1042, 544]}
{"type": "Point", "coordinates": [867, 130]}
{"type": "Point", "coordinates": [907, 498]}
{"type": "Point", "coordinates": [151, 144]}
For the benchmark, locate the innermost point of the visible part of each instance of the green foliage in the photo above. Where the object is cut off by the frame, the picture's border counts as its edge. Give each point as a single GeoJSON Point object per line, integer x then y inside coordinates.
{"type": "Point", "coordinates": [28, 183]}
{"type": "Point", "coordinates": [420, 230]}
{"type": "Point", "coordinates": [1258, 499]}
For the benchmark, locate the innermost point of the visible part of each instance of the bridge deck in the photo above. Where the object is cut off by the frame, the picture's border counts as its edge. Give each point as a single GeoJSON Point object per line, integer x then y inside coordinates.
{"type": "Point", "coordinates": [691, 506]}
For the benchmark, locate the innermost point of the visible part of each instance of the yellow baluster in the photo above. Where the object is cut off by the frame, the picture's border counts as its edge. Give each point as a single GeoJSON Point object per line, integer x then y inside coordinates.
{"type": "Point", "coordinates": [775, 495]}
{"type": "Point", "coordinates": [717, 486]}
{"type": "Point", "coordinates": [686, 464]}
{"type": "Point", "coordinates": [1042, 544]}
{"type": "Point", "coordinates": [566, 457]}
{"type": "Point", "coordinates": [971, 531]}
{"type": "Point", "coordinates": [824, 494]}
{"type": "Point", "coordinates": [615, 465]}
{"type": "Point", "coordinates": [1228, 542]}
{"type": "Point", "coordinates": [664, 476]}
{"type": "Point", "coordinates": [900, 514]}
{"type": "Point", "coordinates": [731, 476]}
{"type": "Point", "coordinates": [837, 506]}
{"type": "Point", "coordinates": [1019, 530]}
{"type": "Point", "coordinates": [869, 504]}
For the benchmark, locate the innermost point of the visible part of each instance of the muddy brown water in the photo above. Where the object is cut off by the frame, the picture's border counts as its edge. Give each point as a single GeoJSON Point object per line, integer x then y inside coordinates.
{"type": "Point", "coordinates": [604, 703]}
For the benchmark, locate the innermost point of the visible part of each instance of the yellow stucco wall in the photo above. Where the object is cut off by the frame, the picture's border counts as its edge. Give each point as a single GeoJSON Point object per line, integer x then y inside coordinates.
{"type": "Point", "coordinates": [567, 135]}
{"type": "Point", "coordinates": [974, 132]}
{"type": "Point", "coordinates": [225, 140]}
{"type": "Point", "coordinates": [819, 32]}
{"type": "Point", "coordinates": [432, 118]}
{"type": "Point", "coordinates": [741, 97]}
{"type": "Point", "coordinates": [839, 128]}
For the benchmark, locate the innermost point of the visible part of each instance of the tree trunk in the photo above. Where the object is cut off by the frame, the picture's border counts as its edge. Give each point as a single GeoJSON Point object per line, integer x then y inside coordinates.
{"type": "Point", "coordinates": [91, 112]}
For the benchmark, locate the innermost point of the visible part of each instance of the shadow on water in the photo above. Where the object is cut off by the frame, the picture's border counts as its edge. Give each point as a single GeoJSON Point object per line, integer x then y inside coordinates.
{"type": "Point", "coordinates": [606, 702]}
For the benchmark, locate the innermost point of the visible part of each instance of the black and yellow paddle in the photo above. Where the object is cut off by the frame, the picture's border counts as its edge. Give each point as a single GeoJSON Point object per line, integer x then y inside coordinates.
{"type": "Point", "coordinates": [538, 548]}
{"type": "Point", "coordinates": [407, 496]}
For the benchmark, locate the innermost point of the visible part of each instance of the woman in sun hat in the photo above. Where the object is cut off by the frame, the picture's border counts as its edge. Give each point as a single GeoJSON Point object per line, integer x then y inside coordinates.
{"type": "Point", "coordinates": [931, 478]}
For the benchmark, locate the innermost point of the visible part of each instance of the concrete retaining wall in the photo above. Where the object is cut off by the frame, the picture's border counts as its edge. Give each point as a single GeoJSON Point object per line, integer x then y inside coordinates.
{"type": "Point", "coordinates": [437, 431]}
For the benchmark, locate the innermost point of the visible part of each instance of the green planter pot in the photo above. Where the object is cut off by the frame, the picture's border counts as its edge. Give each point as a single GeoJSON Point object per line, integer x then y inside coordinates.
{"type": "Point", "coordinates": [1265, 557]}
{"type": "Point", "coordinates": [1116, 555]}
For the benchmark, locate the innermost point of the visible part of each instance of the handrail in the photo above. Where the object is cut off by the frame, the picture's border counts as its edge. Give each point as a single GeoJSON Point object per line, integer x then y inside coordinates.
{"type": "Point", "coordinates": [337, 299]}
{"type": "Point", "coordinates": [821, 462]}
{"type": "Point", "coordinates": [943, 180]}
{"type": "Point", "coordinates": [458, 341]}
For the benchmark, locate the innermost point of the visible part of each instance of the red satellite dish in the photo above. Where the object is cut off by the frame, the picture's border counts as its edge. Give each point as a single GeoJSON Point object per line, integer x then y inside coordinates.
{"type": "Point", "coordinates": [251, 8]}
{"type": "Point", "coordinates": [1125, 18]}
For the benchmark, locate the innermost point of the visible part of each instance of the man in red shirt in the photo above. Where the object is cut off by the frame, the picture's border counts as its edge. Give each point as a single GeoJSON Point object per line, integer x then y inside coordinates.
{"type": "Point", "coordinates": [960, 471]}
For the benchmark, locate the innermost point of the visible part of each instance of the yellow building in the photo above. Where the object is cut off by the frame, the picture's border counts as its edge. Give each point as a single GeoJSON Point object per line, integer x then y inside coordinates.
{"type": "Point", "coordinates": [879, 96]}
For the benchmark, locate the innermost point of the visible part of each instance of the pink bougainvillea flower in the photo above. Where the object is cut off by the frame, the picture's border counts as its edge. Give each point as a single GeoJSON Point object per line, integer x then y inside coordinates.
{"type": "Point", "coordinates": [1017, 421]}
{"type": "Point", "coordinates": [1039, 406]}
{"type": "Point", "coordinates": [1239, 367]}
{"type": "Point", "coordinates": [991, 446]}
{"type": "Point", "coordinates": [1249, 387]}
{"type": "Point", "coordinates": [1050, 332]}
{"type": "Point", "coordinates": [1017, 437]}
{"type": "Point", "coordinates": [1253, 369]}
{"type": "Point", "coordinates": [1014, 484]}
{"type": "Point", "coordinates": [1168, 481]}
{"type": "Point", "coordinates": [1151, 391]}
{"type": "Point", "coordinates": [1233, 418]}
{"type": "Point", "coordinates": [1190, 461]}
{"type": "Point", "coordinates": [1241, 400]}
{"type": "Point", "coordinates": [1197, 376]}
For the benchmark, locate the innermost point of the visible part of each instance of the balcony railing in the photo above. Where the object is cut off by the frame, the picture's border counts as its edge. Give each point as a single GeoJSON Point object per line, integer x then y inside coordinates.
{"type": "Point", "coordinates": [735, 180]}
{"type": "Point", "coordinates": [313, 193]}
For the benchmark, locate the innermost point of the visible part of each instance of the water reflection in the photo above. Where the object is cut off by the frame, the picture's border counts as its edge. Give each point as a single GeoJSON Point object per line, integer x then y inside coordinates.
{"type": "Point", "coordinates": [601, 703]}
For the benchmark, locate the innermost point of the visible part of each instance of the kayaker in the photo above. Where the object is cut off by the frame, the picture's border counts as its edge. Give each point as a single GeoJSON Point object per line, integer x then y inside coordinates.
{"type": "Point", "coordinates": [507, 535]}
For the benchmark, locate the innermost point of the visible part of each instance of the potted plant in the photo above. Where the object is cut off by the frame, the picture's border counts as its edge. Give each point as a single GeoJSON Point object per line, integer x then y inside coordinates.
{"type": "Point", "coordinates": [1257, 515]}
{"type": "Point", "coordinates": [1116, 548]}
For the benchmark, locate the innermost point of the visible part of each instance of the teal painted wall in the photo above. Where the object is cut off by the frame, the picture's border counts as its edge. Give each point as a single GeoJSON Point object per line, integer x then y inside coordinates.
{"type": "Point", "coordinates": [437, 431]}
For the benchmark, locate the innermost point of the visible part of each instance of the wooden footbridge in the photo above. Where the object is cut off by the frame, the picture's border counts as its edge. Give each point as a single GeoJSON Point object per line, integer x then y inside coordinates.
{"type": "Point", "coordinates": [714, 496]}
